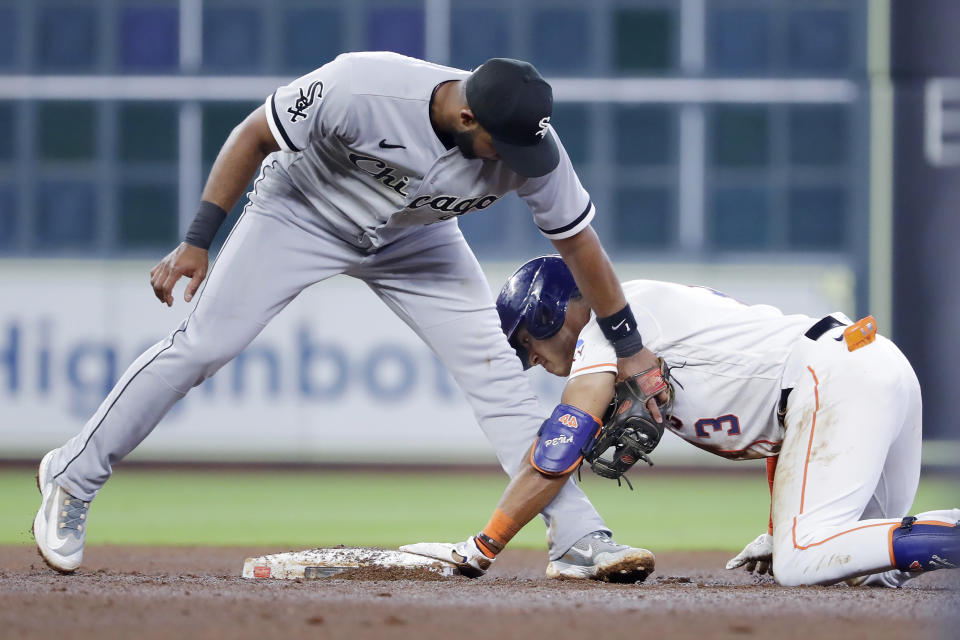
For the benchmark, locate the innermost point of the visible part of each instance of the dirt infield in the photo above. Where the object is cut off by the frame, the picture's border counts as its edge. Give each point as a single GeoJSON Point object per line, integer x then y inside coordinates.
{"type": "Point", "coordinates": [141, 592]}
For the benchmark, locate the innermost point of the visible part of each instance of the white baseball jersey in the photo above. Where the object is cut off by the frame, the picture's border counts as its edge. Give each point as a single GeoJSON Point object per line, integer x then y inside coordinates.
{"type": "Point", "coordinates": [360, 148]}
{"type": "Point", "coordinates": [727, 359]}
{"type": "Point", "coordinates": [849, 447]}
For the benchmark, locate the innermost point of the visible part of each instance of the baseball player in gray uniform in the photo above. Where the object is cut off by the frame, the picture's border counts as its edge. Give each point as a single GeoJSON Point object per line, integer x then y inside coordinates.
{"type": "Point", "coordinates": [364, 166]}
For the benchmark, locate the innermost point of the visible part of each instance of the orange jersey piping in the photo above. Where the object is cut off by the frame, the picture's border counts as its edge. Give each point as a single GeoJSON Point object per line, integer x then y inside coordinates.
{"type": "Point", "coordinates": [594, 366]}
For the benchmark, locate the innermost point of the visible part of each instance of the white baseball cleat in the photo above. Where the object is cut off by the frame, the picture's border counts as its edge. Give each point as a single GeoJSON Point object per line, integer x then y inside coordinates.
{"type": "Point", "coordinates": [60, 527]}
{"type": "Point", "coordinates": [894, 579]}
{"type": "Point", "coordinates": [596, 556]}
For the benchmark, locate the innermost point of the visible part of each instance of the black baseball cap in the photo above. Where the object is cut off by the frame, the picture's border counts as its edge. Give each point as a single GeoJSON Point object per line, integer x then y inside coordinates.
{"type": "Point", "coordinates": [514, 103]}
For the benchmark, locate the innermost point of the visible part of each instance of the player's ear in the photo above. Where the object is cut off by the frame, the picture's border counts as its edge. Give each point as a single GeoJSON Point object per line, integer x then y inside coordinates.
{"type": "Point", "coordinates": [467, 119]}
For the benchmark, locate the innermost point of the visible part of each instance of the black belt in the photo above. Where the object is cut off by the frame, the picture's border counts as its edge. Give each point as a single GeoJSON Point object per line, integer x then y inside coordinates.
{"type": "Point", "coordinates": [814, 333]}
{"type": "Point", "coordinates": [823, 325]}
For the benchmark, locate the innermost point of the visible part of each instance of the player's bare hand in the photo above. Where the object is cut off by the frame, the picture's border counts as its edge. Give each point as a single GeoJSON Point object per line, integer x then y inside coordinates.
{"type": "Point", "coordinates": [756, 556]}
{"type": "Point", "coordinates": [186, 260]}
{"type": "Point", "coordinates": [636, 364]}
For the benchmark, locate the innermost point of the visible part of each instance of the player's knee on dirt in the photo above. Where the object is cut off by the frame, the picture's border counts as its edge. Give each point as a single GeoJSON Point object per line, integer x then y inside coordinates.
{"type": "Point", "coordinates": [794, 567]}
{"type": "Point", "coordinates": [785, 565]}
{"type": "Point", "coordinates": [562, 439]}
{"type": "Point", "coordinates": [795, 558]}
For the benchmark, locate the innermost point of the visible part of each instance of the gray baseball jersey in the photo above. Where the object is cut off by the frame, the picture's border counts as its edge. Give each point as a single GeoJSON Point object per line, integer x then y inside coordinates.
{"type": "Point", "coordinates": [364, 187]}
{"type": "Point", "coordinates": [371, 165]}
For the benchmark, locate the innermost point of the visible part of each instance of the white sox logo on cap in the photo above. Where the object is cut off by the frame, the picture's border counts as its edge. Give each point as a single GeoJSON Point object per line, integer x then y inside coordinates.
{"type": "Point", "coordinates": [520, 126]}
{"type": "Point", "coordinates": [544, 125]}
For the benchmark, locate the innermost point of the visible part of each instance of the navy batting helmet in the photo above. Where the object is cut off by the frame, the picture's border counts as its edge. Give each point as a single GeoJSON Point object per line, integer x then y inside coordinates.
{"type": "Point", "coordinates": [535, 297]}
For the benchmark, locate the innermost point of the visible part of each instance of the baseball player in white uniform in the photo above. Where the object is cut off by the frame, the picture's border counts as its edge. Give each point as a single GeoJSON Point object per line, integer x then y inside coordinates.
{"type": "Point", "coordinates": [832, 406]}
{"type": "Point", "coordinates": [364, 166]}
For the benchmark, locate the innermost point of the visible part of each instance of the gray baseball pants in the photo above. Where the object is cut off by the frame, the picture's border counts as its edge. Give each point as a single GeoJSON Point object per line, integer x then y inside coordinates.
{"type": "Point", "coordinates": [430, 279]}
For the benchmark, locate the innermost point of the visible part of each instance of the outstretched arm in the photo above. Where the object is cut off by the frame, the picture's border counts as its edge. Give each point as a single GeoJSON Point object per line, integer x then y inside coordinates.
{"type": "Point", "coordinates": [599, 286]}
{"type": "Point", "coordinates": [246, 147]}
{"type": "Point", "coordinates": [593, 271]}
{"type": "Point", "coordinates": [530, 491]}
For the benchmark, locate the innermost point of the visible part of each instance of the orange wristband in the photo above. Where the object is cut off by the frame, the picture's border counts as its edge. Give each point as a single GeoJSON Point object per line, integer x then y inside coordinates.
{"type": "Point", "coordinates": [500, 530]}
